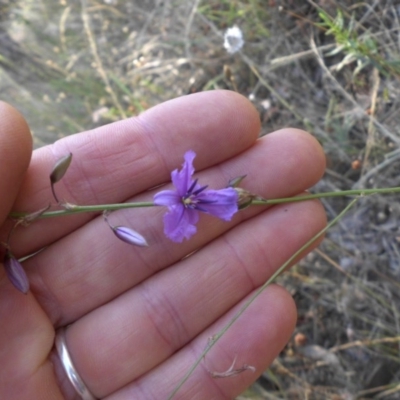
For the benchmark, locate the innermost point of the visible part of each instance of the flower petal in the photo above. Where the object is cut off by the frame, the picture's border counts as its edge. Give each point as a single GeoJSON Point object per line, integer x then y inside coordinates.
{"type": "Point", "coordinates": [182, 179]}
{"type": "Point", "coordinates": [222, 203]}
{"type": "Point", "coordinates": [180, 223]}
{"type": "Point", "coordinates": [167, 198]}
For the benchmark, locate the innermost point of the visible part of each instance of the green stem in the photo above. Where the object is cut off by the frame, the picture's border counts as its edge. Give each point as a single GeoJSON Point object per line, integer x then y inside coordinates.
{"type": "Point", "coordinates": [355, 192]}
{"type": "Point", "coordinates": [75, 209]}
{"type": "Point", "coordinates": [218, 336]}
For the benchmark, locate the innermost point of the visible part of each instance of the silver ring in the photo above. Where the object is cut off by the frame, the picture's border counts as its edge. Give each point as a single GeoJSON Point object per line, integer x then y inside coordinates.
{"type": "Point", "coordinates": [69, 368]}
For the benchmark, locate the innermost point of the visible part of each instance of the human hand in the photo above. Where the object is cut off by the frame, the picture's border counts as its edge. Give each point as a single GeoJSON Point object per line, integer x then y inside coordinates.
{"type": "Point", "coordinates": [139, 317]}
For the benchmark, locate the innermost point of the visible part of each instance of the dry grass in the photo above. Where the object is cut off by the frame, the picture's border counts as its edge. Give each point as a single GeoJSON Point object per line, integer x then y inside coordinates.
{"type": "Point", "coordinates": [331, 67]}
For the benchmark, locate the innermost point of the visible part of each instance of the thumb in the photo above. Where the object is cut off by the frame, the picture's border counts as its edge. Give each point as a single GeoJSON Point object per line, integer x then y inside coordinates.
{"type": "Point", "coordinates": [26, 334]}
{"type": "Point", "coordinates": [15, 154]}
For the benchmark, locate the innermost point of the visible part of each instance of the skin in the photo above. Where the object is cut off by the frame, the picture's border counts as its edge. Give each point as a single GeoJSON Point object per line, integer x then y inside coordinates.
{"type": "Point", "coordinates": [139, 317]}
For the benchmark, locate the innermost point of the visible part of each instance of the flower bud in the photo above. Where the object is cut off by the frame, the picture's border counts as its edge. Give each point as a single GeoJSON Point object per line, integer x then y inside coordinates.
{"type": "Point", "coordinates": [130, 236]}
{"type": "Point", "coordinates": [16, 273]}
{"type": "Point", "coordinates": [60, 168]}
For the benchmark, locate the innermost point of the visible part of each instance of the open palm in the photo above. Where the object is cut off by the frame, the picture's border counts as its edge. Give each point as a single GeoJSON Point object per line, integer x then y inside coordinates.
{"type": "Point", "coordinates": [137, 318]}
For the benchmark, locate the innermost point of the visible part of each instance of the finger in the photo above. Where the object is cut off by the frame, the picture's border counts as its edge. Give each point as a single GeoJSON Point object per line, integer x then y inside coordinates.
{"type": "Point", "coordinates": [255, 340]}
{"type": "Point", "coordinates": [116, 161]}
{"type": "Point", "coordinates": [132, 334]}
{"type": "Point", "coordinates": [15, 154]}
{"type": "Point", "coordinates": [26, 335]}
{"type": "Point", "coordinates": [95, 267]}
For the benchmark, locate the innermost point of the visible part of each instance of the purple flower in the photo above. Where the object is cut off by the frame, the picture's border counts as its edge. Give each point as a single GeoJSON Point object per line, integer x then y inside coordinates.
{"type": "Point", "coordinates": [188, 198]}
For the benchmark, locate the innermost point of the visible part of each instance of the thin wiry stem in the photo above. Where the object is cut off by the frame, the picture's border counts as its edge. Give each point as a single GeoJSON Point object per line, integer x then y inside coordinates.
{"type": "Point", "coordinates": [97, 59]}
{"type": "Point", "coordinates": [54, 193]}
{"type": "Point", "coordinates": [255, 295]}
{"type": "Point", "coordinates": [70, 209]}
{"type": "Point", "coordinates": [352, 192]}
